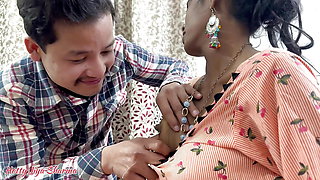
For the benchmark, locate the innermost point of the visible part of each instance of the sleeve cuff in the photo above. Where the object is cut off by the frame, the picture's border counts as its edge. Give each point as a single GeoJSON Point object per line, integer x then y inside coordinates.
{"type": "Point", "coordinates": [90, 165]}
{"type": "Point", "coordinates": [177, 79]}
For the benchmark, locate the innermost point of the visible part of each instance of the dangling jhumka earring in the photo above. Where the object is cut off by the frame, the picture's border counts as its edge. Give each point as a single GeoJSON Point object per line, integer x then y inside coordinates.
{"type": "Point", "coordinates": [212, 30]}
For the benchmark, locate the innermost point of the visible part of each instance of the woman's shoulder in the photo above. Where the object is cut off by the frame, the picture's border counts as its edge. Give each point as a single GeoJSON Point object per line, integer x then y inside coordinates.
{"type": "Point", "coordinates": [280, 58]}
{"type": "Point", "coordinates": [274, 55]}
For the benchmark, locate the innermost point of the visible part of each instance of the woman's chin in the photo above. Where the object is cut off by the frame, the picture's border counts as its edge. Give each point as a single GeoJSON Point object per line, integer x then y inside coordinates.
{"type": "Point", "coordinates": [192, 51]}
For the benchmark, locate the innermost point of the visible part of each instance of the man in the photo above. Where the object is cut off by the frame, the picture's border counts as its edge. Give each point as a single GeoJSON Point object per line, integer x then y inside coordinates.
{"type": "Point", "coordinates": [56, 107]}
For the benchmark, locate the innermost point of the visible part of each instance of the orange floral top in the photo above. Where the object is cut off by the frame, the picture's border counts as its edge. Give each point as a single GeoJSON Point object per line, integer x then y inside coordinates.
{"type": "Point", "coordinates": [264, 125]}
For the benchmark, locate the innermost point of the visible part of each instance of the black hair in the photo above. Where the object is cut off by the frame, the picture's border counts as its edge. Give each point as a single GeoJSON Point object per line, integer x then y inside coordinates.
{"type": "Point", "coordinates": [39, 16]}
{"type": "Point", "coordinates": [275, 16]}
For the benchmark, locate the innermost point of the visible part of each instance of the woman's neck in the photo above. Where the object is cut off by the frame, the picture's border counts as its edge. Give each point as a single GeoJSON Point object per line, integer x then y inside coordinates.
{"type": "Point", "coordinates": [224, 59]}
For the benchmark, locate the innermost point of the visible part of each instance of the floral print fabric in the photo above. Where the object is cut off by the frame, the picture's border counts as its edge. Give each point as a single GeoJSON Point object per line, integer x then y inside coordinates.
{"type": "Point", "coordinates": [264, 125]}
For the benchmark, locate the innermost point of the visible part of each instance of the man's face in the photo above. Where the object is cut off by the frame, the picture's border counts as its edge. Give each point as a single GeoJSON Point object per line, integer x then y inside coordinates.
{"type": "Point", "coordinates": [81, 56]}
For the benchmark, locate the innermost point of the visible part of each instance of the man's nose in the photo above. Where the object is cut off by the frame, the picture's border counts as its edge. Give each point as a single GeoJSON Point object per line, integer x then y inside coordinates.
{"type": "Point", "coordinates": [97, 68]}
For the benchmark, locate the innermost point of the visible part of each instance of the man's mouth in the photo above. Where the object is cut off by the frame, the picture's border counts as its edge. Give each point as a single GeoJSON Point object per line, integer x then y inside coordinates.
{"type": "Point", "coordinates": [90, 81]}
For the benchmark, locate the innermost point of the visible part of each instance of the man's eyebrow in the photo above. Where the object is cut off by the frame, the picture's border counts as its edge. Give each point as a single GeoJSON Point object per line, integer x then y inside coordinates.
{"type": "Point", "coordinates": [77, 52]}
{"type": "Point", "coordinates": [111, 44]}
{"type": "Point", "coordinates": [84, 52]}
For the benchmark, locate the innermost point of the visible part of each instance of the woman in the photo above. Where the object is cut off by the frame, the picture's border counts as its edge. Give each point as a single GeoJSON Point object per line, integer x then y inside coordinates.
{"type": "Point", "coordinates": [260, 111]}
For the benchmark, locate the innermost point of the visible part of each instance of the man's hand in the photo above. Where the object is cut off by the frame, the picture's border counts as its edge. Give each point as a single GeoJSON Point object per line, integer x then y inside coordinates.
{"type": "Point", "coordinates": [170, 101]}
{"type": "Point", "coordinates": [130, 159]}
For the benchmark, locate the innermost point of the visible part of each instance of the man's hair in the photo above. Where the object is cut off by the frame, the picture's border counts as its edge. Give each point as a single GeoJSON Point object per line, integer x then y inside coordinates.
{"type": "Point", "coordinates": [39, 16]}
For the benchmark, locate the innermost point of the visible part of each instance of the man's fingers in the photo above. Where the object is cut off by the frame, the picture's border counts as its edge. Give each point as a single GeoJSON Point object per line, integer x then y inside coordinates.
{"type": "Point", "coordinates": [193, 110]}
{"type": "Point", "coordinates": [142, 168]}
{"type": "Point", "coordinates": [158, 147]}
{"type": "Point", "coordinates": [172, 113]}
{"type": "Point", "coordinates": [190, 96]}
{"type": "Point", "coordinates": [181, 107]}
{"type": "Point", "coordinates": [131, 175]}
{"type": "Point", "coordinates": [167, 113]}
{"type": "Point", "coordinates": [142, 171]}
{"type": "Point", "coordinates": [176, 104]}
{"type": "Point", "coordinates": [192, 91]}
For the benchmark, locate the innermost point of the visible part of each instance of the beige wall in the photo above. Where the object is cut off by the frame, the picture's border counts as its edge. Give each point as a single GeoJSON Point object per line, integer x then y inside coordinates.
{"type": "Point", "coordinates": [11, 32]}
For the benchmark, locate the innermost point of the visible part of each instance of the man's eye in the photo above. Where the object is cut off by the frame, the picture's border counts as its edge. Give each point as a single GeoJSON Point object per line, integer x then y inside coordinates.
{"type": "Point", "coordinates": [105, 52]}
{"type": "Point", "coordinates": [76, 61]}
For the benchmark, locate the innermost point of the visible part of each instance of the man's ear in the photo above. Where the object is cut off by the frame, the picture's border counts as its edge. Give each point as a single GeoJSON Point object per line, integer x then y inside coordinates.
{"type": "Point", "coordinates": [33, 49]}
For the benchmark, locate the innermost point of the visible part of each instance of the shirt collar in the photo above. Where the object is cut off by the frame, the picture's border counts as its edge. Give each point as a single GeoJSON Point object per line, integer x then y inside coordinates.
{"type": "Point", "coordinates": [48, 94]}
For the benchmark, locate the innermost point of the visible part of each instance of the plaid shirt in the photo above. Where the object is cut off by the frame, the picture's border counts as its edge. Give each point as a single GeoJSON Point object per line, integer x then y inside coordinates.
{"type": "Point", "coordinates": [46, 133]}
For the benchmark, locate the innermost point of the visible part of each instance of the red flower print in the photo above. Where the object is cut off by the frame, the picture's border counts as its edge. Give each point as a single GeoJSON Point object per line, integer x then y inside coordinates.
{"type": "Point", "coordinates": [221, 167]}
{"type": "Point", "coordinates": [208, 130]}
{"type": "Point", "coordinates": [222, 176]}
{"type": "Point", "coordinates": [250, 135]}
{"type": "Point", "coordinates": [299, 122]}
{"type": "Point", "coordinates": [211, 142]}
{"type": "Point", "coordinates": [227, 100]}
{"type": "Point", "coordinates": [282, 79]}
{"type": "Point", "coordinates": [198, 149]}
{"type": "Point", "coordinates": [180, 165]}
{"type": "Point", "coordinates": [263, 112]}
{"type": "Point", "coordinates": [266, 54]}
{"type": "Point", "coordinates": [240, 108]}
{"type": "Point", "coordinates": [278, 71]}
{"type": "Point", "coordinates": [258, 74]}
{"type": "Point", "coordinates": [260, 110]}
{"type": "Point", "coordinates": [317, 107]}
{"type": "Point", "coordinates": [196, 144]}
{"type": "Point", "coordinates": [242, 132]}
{"type": "Point", "coordinates": [303, 129]}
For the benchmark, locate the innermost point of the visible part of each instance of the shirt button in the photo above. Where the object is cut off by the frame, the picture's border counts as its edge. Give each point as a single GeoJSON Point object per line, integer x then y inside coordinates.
{"type": "Point", "coordinates": [88, 128]}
